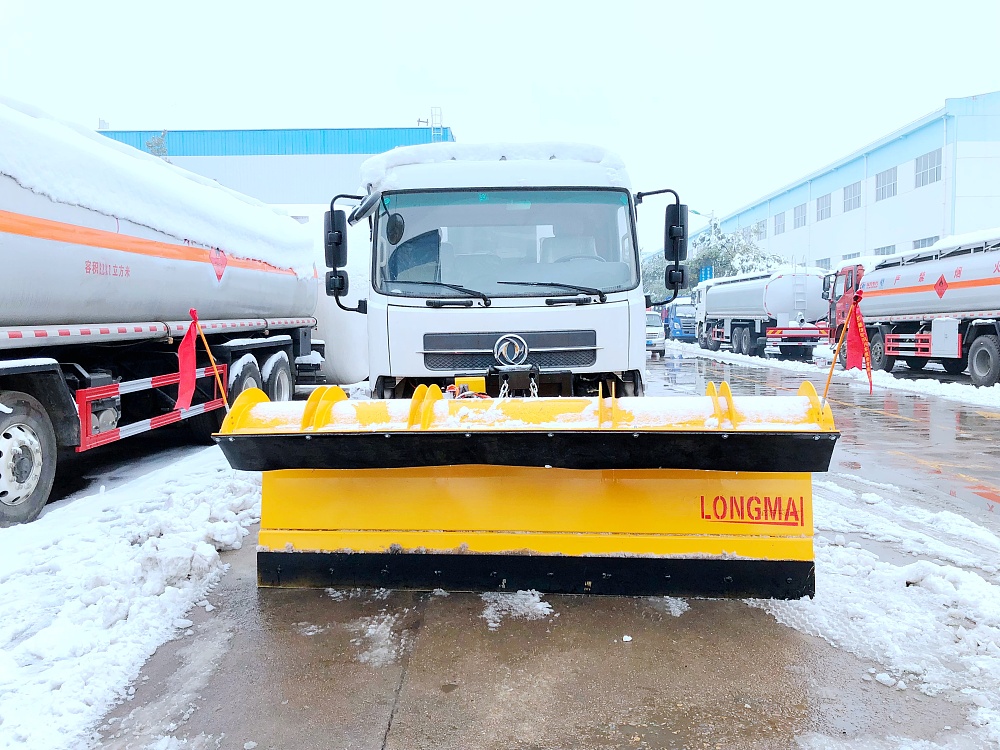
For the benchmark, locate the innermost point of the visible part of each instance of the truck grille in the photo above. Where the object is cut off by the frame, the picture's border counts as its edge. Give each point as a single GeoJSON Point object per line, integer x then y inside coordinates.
{"type": "Point", "coordinates": [471, 352]}
{"type": "Point", "coordinates": [687, 326]}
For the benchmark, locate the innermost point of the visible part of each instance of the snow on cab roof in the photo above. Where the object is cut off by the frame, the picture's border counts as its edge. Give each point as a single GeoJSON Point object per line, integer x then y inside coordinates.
{"type": "Point", "coordinates": [458, 165]}
{"type": "Point", "coordinates": [69, 164]}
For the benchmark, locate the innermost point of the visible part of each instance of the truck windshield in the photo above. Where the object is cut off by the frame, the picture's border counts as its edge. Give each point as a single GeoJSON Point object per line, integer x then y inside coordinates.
{"type": "Point", "coordinates": [653, 320]}
{"type": "Point", "coordinates": [479, 238]}
{"type": "Point", "coordinates": [684, 311]}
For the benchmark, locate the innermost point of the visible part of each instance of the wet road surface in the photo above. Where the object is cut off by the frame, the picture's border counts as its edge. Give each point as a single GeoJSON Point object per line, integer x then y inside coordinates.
{"type": "Point", "coordinates": [378, 669]}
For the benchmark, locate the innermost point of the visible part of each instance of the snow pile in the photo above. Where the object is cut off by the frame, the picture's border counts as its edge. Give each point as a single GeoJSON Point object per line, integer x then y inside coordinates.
{"type": "Point", "coordinates": [933, 624]}
{"type": "Point", "coordinates": [90, 590]}
{"type": "Point", "coordinates": [670, 605]}
{"type": "Point", "coordinates": [451, 164]}
{"type": "Point", "coordinates": [524, 604]}
{"type": "Point", "coordinates": [73, 165]}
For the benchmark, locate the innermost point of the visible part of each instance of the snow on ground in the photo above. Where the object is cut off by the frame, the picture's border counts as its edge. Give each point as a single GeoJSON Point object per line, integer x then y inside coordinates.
{"type": "Point", "coordinates": [931, 624]}
{"type": "Point", "coordinates": [91, 589]}
{"type": "Point", "coordinates": [965, 393]}
{"type": "Point", "coordinates": [524, 604]}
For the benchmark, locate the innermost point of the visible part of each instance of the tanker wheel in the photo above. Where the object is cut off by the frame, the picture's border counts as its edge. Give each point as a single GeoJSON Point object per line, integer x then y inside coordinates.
{"type": "Point", "coordinates": [278, 384]}
{"type": "Point", "coordinates": [736, 340]}
{"type": "Point", "coordinates": [842, 357]}
{"type": "Point", "coordinates": [954, 366]}
{"type": "Point", "coordinates": [745, 347]}
{"type": "Point", "coordinates": [984, 360]}
{"type": "Point", "coordinates": [881, 360]}
{"type": "Point", "coordinates": [916, 363]}
{"type": "Point", "coordinates": [27, 458]}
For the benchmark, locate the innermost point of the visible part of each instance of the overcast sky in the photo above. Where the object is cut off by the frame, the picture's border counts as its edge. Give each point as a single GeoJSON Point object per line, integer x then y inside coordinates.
{"type": "Point", "coordinates": [724, 101]}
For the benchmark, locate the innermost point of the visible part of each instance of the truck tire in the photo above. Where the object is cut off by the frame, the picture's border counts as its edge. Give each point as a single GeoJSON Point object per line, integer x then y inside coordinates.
{"type": "Point", "coordinates": [736, 340]}
{"type": "Point", "coordinates": [881, 360]}
{"type": "Point", "coordinates": [984, 360]}
{"type": "Point", "coordinates": [955, 366]}
{"type": "Point", "coordinates": [745, 343]}
{"type": "Point", "coordinates": [278, 384]}
{"type": "Point", "coordinates": [842, 357]}
{"type": "Point", "coordinates": [28, 455]}
{"type": "Point", "coordinates": [916, 363]}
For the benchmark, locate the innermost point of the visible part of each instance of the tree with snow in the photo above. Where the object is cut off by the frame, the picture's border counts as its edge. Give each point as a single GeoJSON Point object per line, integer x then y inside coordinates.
{"type": "Point", "coordinates": [728, 254]}
{"type": "Point", "coordinates": [157, 145]}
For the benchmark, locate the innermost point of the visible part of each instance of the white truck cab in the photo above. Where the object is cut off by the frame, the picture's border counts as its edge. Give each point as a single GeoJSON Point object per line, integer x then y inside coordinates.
{"type": "Point", "coordinates": [514, 265]}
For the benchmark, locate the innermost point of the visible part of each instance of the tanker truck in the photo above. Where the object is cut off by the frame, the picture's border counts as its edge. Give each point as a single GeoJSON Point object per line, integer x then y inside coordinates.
{"type": "Point", "coordinates": [783, 308]}
{"type": "Point", "coordinates": [941, 303]}
{"type": "Point", "coordinates": [104, 251]}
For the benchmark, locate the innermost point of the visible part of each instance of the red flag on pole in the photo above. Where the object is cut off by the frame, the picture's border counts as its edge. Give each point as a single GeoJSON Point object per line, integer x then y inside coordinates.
{"type": "Point", "coordinates": [186, 361]}
{"type": "Point", "coordinates": [858, 351]}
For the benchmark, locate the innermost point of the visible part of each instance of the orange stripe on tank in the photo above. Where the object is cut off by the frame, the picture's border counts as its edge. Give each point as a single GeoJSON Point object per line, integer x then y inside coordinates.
{"type": "Point", "coordinates": [957, 284]}
{"type": "Point", "coordinates": [46, 229]}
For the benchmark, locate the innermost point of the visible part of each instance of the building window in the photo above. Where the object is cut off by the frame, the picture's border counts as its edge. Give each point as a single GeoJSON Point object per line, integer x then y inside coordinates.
{"type": "Point", "coordinates": [779, 223]}
{"type": "Point", "coordinates": [745, 233]}
{"type": "Point", "coordinates": [823, 207]}
{"type": "Point", "coordinates": [851, 255]}
{"type": "Point", "coordinates": [760, 230]}
{"type": "Point", "coordinates": [928, 168]}
{"type": "Point", "coordinates": [885, 184]}
{"type": "Point", "coordinates": [800, 216]}
{"type": "Point", "coordinates": [887, 250]}
{"type": "Point", "coordinates": [925, 242]}
{"type": "Point", "coordinates": [824, 263]}
{"type": "Point", "coordinates": [852, 197]}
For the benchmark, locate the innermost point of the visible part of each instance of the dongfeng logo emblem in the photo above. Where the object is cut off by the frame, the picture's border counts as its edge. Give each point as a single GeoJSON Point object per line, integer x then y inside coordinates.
{"type": "Point", "coordinates": [510, 349]}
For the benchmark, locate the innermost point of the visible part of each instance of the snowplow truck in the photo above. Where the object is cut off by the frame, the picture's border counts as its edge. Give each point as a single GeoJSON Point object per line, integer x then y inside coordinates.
{"type": "Point", "coordinates": [941, 303]}
{"type": "Point", "coordinates": [753, 311]}
{"type": "Point", "coordinates": [508, 446]}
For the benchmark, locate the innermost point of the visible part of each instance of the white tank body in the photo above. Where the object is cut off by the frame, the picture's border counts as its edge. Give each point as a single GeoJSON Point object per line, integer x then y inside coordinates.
{"type": "Point", "coordinates": [780, 295]}
{"type": "Point", "coordinates": [966, 283]}
{"type": "Point", "coordinates": [63, 263]}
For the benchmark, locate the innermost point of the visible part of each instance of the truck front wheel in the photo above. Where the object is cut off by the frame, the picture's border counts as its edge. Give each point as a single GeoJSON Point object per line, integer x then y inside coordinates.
{"type": "Point", "coordinates": [984, 360]}
{"type": "Point", "coordinates": [27, 458]}
{"type": "Point", "coordinates": [881, 360]}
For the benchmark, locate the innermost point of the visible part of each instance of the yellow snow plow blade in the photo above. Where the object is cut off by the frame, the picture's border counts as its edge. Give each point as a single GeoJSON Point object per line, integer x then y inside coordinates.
{"type": "Point", "coordinates": [689, 496]}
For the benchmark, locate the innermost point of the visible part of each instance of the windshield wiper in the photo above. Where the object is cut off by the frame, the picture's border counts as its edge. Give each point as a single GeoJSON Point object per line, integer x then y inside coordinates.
{"type": "Point", "coordinates": [559, 285]}
{"type": "Point", "coordinates": [471, 292]}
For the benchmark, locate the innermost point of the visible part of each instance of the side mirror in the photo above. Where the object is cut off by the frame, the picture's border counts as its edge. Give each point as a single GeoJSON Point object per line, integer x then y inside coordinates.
{"type": "Point", "coordinates": [364, 208]}
{"type": "Point", "coordinates": [675, 233]}
{"type": "Point", "coordinates": [649, 301]}
{"type": "Point", "coordinates": [337, 282]}
{"type": "Point", "coordinates": [674, 278]}
{"type": "Point", "coordinates": [335, 239]}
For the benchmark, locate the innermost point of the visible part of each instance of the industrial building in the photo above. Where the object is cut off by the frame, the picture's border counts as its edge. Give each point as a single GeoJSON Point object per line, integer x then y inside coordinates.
{"type": "Point", "coordinates": [935, 177]}
{"type": "Point", "coordinates": [294, 167]}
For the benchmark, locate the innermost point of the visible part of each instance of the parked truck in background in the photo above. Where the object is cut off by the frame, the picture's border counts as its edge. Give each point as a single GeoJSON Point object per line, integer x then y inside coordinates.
{"type": "Point", "coordinates": [104, 251]}
{"type": "Point", "coordinates": [782, 308]}
{"type": "Point", "coordinates": [679, 320]}
{"type": "Point", "coordinates": [514, 266]}
{"type": "Point", "coordinates": [941, 303]}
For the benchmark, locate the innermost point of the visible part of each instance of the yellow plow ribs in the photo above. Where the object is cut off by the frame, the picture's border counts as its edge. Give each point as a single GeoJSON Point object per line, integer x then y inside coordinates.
{"type": "Point", "coordinates": [690, 496]}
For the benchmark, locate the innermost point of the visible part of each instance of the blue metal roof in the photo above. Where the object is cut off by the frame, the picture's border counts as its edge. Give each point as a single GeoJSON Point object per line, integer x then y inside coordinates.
{"type": "Point", "coordinates": [280, 142]}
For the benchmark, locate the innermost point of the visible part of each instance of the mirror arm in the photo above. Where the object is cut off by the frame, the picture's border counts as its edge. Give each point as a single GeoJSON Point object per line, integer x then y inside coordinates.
{"type": "Point", "coordinates": [361, 308]}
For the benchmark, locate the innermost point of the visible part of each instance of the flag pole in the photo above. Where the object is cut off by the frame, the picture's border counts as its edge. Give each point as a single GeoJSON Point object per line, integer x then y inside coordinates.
{"type": "Point", "coordinates": [215, 368]}
{"type": "Point", "coordinates": [836, 354]}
